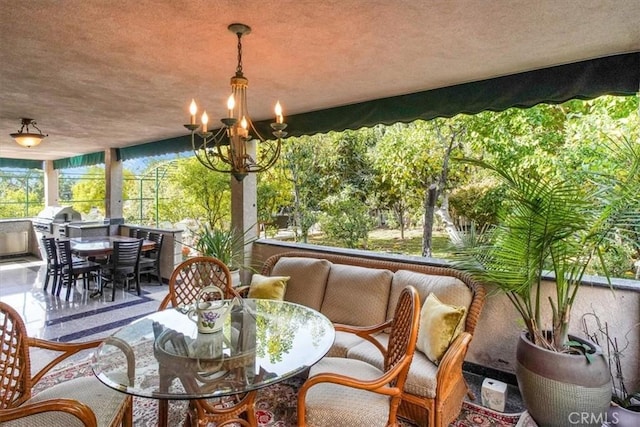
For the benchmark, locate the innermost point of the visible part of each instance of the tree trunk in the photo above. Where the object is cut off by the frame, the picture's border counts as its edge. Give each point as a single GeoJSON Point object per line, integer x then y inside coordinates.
{"type": "Point", "coordinates": [449, 226]}
{"type": "Point", "coordinates": [429, 207]}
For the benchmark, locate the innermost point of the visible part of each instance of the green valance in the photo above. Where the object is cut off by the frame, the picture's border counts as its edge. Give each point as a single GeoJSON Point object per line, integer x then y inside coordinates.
{"type": "Point", "coordinates": [613, 75]}
{"type": "Point", "coordinates": [90, 159]}
{"type": "Point", "coordinates": [21, 163]}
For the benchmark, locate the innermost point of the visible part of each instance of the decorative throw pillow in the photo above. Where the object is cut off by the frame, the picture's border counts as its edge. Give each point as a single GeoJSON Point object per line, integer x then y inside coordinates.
{"type": "Point", "coordinates": [440, 324]}
{"type": "Point", "coordinates": [268, 287]}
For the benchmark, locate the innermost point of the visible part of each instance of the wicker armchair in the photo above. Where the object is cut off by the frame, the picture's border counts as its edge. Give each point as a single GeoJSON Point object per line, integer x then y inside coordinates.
{"type": "Point", "coordinates": [351, 392]}
{"type": "Point", "coordinates": [186, 281]}
{"type": "Point", "coordinates": [78, 402]}
{"type": "Point", "coordinates": [194, 274]}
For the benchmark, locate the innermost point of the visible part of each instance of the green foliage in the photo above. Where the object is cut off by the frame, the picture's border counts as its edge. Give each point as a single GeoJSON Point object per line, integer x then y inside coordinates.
{"type": "Point", "coordinates": [89, 191]}
{"type": "Point", "coordinates": [196, 192]}
{"type": "Point", "coordinates": [477, 202]}
{"type": "Point", "coordinates": [548, 222]}
{"type": "Point", "coordinates": [347, 218]}
{"type": "Point", "coordinates": [225, 244]}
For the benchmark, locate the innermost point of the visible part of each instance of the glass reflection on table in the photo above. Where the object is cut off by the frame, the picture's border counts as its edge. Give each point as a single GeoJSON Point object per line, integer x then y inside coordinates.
{"type": "Point", "coordinates": [261, 342]}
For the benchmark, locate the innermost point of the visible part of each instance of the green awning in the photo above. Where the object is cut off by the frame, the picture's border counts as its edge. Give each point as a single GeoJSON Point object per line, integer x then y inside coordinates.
{"type": "Point", "coordinates": [21, 163]}
{"type": "Point", "coordinates": [613, 75]}
{"type": "Point", "coordinates": [79, 161]}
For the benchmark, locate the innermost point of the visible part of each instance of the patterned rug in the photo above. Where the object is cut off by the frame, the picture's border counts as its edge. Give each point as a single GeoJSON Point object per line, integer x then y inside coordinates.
{"type": "Point", "coordinates": [275, 405]}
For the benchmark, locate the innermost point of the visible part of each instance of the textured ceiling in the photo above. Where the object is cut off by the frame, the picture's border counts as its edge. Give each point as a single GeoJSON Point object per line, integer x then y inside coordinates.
{"type": "Point", "coordinates": [97, 74]}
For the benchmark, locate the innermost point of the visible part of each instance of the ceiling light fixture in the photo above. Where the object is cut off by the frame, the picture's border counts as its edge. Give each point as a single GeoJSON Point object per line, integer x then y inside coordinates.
{"type": "Point", "coordinates": [226, 150]}
{"type": "Point", "coordinates": [28, 139]}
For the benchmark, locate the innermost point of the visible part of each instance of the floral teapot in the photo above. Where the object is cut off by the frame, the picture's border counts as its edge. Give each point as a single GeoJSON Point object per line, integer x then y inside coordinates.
{"type": "Point", "coordinates": [210, 314]}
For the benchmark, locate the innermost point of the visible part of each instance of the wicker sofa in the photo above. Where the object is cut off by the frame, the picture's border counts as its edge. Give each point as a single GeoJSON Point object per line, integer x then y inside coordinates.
{"type": "Point", "coordinates": [363, 292]}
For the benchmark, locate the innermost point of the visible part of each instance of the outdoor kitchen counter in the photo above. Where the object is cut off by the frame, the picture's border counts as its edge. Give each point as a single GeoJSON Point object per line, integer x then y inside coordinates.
{"type": "Point", "coordinates": [18, 238]}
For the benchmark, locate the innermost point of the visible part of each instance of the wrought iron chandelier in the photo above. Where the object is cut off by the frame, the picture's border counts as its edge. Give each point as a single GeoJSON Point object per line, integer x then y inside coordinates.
{"type": "Point", "coordinates": [28, 139]}
{"type": "Point", "coordinates": [226, 149]}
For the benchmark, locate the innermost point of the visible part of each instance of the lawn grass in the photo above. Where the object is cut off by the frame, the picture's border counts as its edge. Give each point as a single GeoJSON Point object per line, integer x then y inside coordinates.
{"type": "Point", "coordinates": [389, 241]}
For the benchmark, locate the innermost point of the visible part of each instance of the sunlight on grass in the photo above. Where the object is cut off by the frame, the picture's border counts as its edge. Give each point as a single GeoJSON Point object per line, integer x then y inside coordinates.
{"type": "Point", "coordinates": [389, 241]}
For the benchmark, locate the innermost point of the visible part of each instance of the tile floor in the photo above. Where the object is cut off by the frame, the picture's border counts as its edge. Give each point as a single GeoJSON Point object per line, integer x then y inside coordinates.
{"type": "Point", "coordinates": [84, 317]}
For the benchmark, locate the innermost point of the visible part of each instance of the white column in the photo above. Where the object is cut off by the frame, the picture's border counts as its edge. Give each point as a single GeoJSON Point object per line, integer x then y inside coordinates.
{"type": "Point", "coordinates": [113, 194]}
{"type": "Point", "coordinates": [244, 210]}
{"type": "Point", "coordinates": [50, 184]}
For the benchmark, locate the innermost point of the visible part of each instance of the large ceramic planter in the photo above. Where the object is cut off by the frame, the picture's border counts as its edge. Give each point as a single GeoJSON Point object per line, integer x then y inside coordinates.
{"type": "Point", "coordinates": [621, 417]}
{"type": "Point", "coordinates": [561, 390]}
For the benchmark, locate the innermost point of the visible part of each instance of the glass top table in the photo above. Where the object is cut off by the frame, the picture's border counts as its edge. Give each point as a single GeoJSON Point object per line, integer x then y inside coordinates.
{"type": "Point", "coordinates": [260, 343]}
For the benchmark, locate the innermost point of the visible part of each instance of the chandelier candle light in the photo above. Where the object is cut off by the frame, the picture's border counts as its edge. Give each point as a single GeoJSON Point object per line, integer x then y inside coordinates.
{"type": "Point", "coordinates": [226, 150]}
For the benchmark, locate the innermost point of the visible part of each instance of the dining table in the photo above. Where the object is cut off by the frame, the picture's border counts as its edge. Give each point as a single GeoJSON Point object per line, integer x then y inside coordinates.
{"type": "Point", "coordinates": [99, 246]}
{"type": "Point", "coordinates": [259, 343]}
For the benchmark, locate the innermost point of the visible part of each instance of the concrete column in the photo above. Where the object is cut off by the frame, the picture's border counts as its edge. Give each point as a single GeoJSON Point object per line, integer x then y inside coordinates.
{"type": "Point", "coordinates": [244, 210]}
{"type": "Point", "coordinates": [113, 194]}
{"type": "Point", "coordinates": [50, 184]}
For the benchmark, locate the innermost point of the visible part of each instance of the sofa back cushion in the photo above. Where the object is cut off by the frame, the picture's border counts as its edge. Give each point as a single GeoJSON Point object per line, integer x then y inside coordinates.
{"type": "Point", "coordinates": [357, 296]}
{"type": "Point", "coordinates": [307, 279]}
{"type": "Point", "coordinates": [449, 290]}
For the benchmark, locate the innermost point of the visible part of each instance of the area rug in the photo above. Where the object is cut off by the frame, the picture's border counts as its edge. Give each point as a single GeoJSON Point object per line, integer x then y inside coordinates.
{"type": "Point", "coordinates": [275, 405]}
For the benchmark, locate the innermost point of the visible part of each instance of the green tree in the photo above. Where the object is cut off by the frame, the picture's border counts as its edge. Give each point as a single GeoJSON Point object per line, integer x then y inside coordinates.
{"type": "Point", "coordinates": [90, 190]}
{"type": "Point", "coordinates": [198, 193]}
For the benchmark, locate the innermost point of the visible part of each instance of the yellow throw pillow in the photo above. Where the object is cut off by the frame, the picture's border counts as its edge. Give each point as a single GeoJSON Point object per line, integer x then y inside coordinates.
{"type": "Point", "coordinates": [440, 324]}
{"type": "Point", "coordinates": [268, 287]}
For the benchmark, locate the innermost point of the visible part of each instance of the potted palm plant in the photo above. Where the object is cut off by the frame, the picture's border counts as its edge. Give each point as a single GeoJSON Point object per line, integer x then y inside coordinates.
{"type": "Point", "coordinates": [549, 231]}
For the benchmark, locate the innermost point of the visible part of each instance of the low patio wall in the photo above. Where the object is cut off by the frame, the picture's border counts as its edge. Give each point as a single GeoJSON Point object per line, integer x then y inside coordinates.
{"type": "Point", "coordinates": [494, 342]}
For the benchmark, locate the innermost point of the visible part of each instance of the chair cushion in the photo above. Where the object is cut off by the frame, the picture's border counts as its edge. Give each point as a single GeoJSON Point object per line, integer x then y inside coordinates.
{"type": "Point", "coordinates": [330, 404]}
{"type": "Point", "coordinates": [268, 287]}
{"type": "Point", "coordinates": [356, 296]}
{"type": "Point", "coordinates": [104, 402]}
{"type": "Point", "coordinates": [422, 377]}
{"type": "Point", "coordinates": [440, 324]}
{"type": "Point", "coordinates": [308, 279]}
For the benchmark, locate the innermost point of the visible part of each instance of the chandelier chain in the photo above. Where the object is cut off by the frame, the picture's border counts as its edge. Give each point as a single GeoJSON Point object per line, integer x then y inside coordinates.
{"type": "Point", "coordinates": [239, 67]}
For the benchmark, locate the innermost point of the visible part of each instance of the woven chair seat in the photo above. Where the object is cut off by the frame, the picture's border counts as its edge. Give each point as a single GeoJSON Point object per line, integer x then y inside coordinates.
{"type": "Point", "coordinates": [103, 401]}
{"type": "Point", "coordinates": [339, 405]}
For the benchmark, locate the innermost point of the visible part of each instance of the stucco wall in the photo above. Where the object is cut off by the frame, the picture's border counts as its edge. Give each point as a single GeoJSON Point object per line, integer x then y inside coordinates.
{"type": "Point", "coordinates": [496, 335]}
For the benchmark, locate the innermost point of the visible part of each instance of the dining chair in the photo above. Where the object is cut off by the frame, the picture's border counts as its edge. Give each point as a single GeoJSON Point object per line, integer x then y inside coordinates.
{"type": "Point", "coordinates": [54, 268]}
{"type": "Point", "coordinates": [82, 401]}
{"type": "Point", "coordinates": [123, 266]}
{"type": "Point", "coordinates": [72, 268]}
{"type": "Point", "coordinates": [194, 274]}
{"type": "Point", "coordinates": [150, 260]}
{"type": "Point", "coordinates": [342, 391]}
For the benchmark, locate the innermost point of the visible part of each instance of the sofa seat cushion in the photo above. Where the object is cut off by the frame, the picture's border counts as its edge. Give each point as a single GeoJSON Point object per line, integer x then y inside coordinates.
{"type": "Point", "coordinates": [449, 290]}
{"type": "Point", "coordinates": [307, 279]}
{"type": "Point", "coordinates": [356, 296]}
{"type": "Point", "coordinates": [422, 377]}
{"type": "Point", "coordinates": [343, 342]}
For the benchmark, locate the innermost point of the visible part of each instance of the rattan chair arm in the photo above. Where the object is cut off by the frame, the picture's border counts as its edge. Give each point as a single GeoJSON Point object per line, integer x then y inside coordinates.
{"type": "Point", "coordinates": [378, 385]}
{"type": "Point", "coordinates": [450, 366]}
{"type": "Point", "coordinates": [165, 302]}
{"type": "Point", "coordinates": [242, 291]}
{"type": "Point", "coordinates": [366, 332]}
{"type": "Point", "coordinates": [66, 350]}
{"type": "Point", "coordinates": [70, 406]}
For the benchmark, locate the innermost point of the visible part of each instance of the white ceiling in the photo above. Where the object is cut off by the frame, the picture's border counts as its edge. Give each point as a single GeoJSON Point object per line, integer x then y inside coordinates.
{"type": "Point", "coordinates": [114, 73]}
